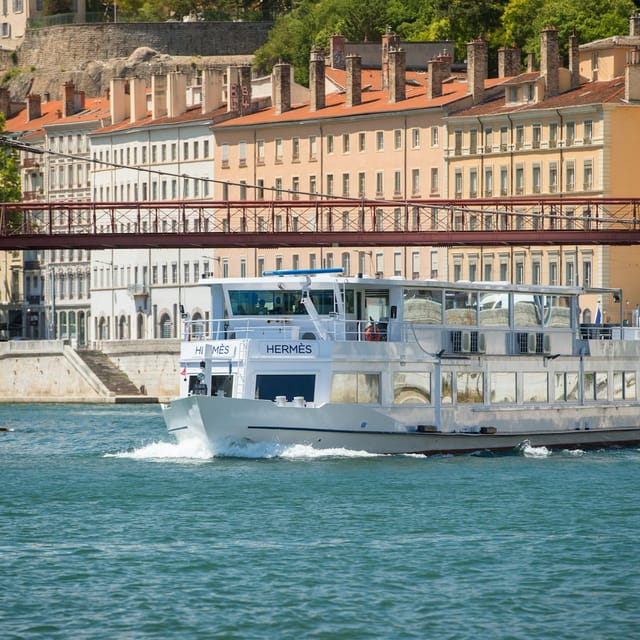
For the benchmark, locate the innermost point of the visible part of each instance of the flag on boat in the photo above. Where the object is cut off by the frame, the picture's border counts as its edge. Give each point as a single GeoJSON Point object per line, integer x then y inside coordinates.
{"type": "Point", "coordinates": [183, 372]}
{"type": "Point", "coordinates": [598, 314]}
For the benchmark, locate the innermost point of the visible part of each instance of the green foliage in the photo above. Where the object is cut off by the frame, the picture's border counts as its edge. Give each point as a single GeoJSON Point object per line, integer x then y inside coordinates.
{"type": "Point", "coordinates": [523, 20]}
{"type": "Point", "coordinates": [10, 74]}
{"type": "Point", "coordinates": [501, 22]}
{"type": "Point", "coordinates": [54, 7]}
{"type": "Point", "coordinates": [10, 188]}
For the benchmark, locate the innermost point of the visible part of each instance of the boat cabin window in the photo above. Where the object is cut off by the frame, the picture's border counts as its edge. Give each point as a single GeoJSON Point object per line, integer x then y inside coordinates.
{"type": "Point", "coordinates": [557, 311]}
{"type": "Point", "coordinates": [460, 308]}
{"type": "Point", "coordinates": [361, 388]}
{"type": "Point", "coordinates": [412, 387]}
{"type": "Point", "coordinates": [278, 302]}
{"type": "Point", "coordinates": [422, 306]}
{"type": "Point", "coordinates": [270, 386]}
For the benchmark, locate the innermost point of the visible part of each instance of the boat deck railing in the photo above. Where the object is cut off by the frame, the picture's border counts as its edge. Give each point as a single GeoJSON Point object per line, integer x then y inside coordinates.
{"type": "Point", "coordinates": [337, 329]}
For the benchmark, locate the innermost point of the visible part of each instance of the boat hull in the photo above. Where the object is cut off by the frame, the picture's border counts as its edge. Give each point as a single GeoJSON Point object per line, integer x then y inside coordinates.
{"type": "Point", "coordinates": [219, 421]}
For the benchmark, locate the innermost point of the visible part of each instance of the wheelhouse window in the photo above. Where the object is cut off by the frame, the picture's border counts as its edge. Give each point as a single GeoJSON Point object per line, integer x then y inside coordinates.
{"type": "Point", "coordinates": [276, 302]}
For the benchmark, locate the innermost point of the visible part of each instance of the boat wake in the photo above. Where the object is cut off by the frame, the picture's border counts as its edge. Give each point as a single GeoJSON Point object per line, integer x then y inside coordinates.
{"type": "Point", "coordinates": [266, 450]}
{"type": "Point", "coordinates": [187, 450]}
{"type": "Point", "coordinates": [198, 450]}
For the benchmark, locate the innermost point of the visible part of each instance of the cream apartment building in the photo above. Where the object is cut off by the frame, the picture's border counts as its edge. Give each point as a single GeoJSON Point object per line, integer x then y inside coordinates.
{"type": "Point", "coordinates": [383, 141]}
{"type": "Point", "coordinates": [552, 133]}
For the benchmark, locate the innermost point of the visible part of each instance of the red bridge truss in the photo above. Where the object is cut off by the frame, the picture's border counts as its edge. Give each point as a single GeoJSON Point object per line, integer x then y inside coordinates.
{"type": "Point", "coordinates": [321, 222]}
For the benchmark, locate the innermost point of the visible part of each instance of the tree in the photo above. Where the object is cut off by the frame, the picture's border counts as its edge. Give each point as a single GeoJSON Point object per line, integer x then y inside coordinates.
{"type": "Point", "coordinates": [10, 186]}
{"type": "Point", "coordinates": [523, 20]}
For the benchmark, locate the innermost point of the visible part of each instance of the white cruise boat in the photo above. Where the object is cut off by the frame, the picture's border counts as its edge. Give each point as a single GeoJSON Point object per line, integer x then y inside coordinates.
{"type": "Point", "coordinates": [402, 366]}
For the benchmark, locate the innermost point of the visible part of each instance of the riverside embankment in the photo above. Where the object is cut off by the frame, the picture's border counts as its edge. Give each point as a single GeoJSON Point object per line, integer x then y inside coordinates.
{"type": "Point", "coordinates": [52, 371]}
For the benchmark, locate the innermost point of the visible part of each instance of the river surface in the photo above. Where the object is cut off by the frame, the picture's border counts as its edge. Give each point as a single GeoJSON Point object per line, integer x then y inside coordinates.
{"type": "Point", "coordinates": [109, 529]}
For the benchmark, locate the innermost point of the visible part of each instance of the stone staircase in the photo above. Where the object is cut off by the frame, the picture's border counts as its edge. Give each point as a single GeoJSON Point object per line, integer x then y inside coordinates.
{"type": "Point", "coordinates": [113, 378]}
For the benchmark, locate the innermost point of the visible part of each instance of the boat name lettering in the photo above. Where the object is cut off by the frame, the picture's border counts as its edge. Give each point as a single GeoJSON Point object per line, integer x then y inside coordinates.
{"type": "Point", "coordinates": [305, 349]}
{"type": "Point", "coordinates": [220, 349]}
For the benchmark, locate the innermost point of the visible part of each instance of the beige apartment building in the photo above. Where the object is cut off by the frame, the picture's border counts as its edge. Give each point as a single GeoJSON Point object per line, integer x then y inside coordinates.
{"type": "Point", "coordinates": [554, 132]}
{"type": "Point", "coordinates": [381, 139]}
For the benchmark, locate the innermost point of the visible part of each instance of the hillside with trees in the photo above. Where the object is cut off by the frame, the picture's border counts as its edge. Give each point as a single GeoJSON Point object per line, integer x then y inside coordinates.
{"type": "Point", "coordinates": [310, 23]}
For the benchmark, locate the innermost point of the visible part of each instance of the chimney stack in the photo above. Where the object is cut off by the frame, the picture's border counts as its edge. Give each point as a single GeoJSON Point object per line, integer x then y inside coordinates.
{"type": "Point", "coordinates": [158, 96]}
{"type": "Point", "coordinates": [436, 74]}
{"type": "Point", "coordinates": [389, 41]}
{"type": "Point", "coordinates": [5, 102]}
{"type": "Point", "coordinates": [68, 99]}
{"type": "Point", "coordinates": [549, 56]}
{"type": "Point", "coordinates": [138, 97]}
{"type": "Point", "coordinates": [446, 60]}
{"type": "Point", "coordinates": [176, 94]}
{"type": "Point", "coordinates": [574, 60]}
{"type": "Point", "coordinates": [316, 80]}
{"type": "Point", "coordinates": [477, 69]}
{"type": "Point", "coordinates": [634, 25]}
{"type": "Point", "coordinates": [119, 104]}
{"type": "Point", "coordinates": [354, 80]}
{"type": "Point", "coordinates": [212, 83]}
{"type": "Point", "coordinates": [33, 107]}
{"type": "Point", "coordinates": [509, 62]}
{"type": "Point", "coordinates": [632, 77]}
{"type": "Point", "coordinates": [281, 87]}
{"type": "Point", "coordinates": [531, 62]}
{"type": "Point", "coordinates": [337, 52]}
{"type": "Point", "coordinates": [397, 81]}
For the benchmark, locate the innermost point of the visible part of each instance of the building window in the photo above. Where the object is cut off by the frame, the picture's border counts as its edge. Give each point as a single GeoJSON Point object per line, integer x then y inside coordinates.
{"type": "Point", "coordinates": [260, 151]}
{"type": "Point", "coordinates": [488, 182]}
{"type": "Point", "coordinates": [313, 147]}
{"type": "Point", "coordinates": [379, 184]}
{"type": "Point", "coordinates": [345, 143]}
{"type": "Point", "coordinates": [473, 141]}
{"type": "Point", "coordinates": [361, 184]}
{"type": "Point", "coordinates": [536, 136]}
{"type": "Point", "coordinates": [488, 140]}
{"type": "Point", "coordinates": [379, 140]}
{"type": "Point", "coordinates": [345, 184]}
{"type": "Point", "coordinates": [415, 182]}
{"type": "Point", "coordinates": [329, 144]}
{"type": "Point", "coordinates": [434, 180]}
{"type": "Point", "coordinates": [457, 144]}
{"type": "Point", "coordinates": [397, 139]}
{"type": "Point", "coordinates": [458, 183]}
{"type": "Point", "coordinates": [519, 136]}
{"type": "Point", "coordinates": [553, 178]}
{"type": "Point", "coordinates": [588, 132]}
{"type": "Point", "coordinates": [570, 133]}
{"type": "Point", "coordinates": [504, 181]}
{"type": "Point", "coordinates": [473, 183]}
{"type": "Point", "coordinates": [571, 176]}
{"type": "Point", "coordinates": [435, 136]}
{"type": "Point", "coordinates": [224, 155]}
{"type": "Point", "coordinates": [415, 138]}
{"type": "Point", "coordinates": [362, 139]}
{"type": "Point", "coordinates": [587, 171]}
{"type": "Point", "coordinates": [397, 183]}
{"type": "Point", "coordinates": [242, 153]}
{"type": "Point", "coordinates": [329, 184]}
{"type": "Point", "coordinates": [278, 149]}
{"type": "Point", "coordinates": [295, 149]}
{"type": "Point", "coordinates": [535, 178]}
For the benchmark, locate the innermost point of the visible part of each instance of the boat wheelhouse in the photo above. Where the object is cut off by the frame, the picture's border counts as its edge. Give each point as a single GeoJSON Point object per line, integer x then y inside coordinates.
{"type": "Point", "coordinates": [401, 366]}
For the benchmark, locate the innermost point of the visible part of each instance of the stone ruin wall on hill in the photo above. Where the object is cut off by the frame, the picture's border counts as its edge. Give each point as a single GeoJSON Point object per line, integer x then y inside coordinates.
{"type": "Point", "coordinates": [90, 55]}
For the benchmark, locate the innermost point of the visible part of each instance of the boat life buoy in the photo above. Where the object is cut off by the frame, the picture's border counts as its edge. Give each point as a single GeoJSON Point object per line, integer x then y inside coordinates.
{"type": "Point", "coordinates": [372, 333]}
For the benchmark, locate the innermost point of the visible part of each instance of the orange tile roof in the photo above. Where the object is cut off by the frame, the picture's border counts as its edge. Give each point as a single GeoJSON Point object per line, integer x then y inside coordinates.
{"type": "Point", "coordinates": [372, 77]}
{"type": "Point", "coordinates": [609, 91]}
{"type": "Point", "coordinates": [373, 102]}
{"type": "Point", "coordinates": [95, 109]}
{"type": "Point", "coordinates": [192, 114]}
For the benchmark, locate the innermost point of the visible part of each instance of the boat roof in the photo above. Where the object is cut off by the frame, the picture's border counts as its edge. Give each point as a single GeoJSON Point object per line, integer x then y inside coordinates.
{"type": "Point", "coordinates": [334, 277]}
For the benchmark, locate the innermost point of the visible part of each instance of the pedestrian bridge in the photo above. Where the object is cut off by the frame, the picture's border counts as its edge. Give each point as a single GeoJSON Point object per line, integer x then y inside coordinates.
{"type": "Point", "coordinates": [319, 222]}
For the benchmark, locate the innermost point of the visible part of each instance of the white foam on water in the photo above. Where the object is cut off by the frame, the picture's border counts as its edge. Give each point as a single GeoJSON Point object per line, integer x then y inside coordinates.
{"type": "Point", "coordinates": [267, 450]}
{"type": "Point", "coordinates": [193, 449]}
{"type": "Point", "coordinates": [529, 451]}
